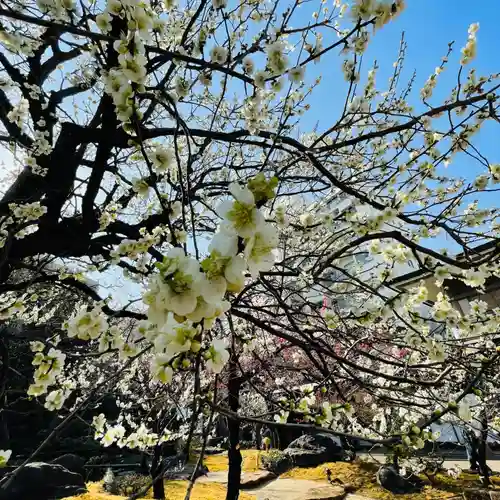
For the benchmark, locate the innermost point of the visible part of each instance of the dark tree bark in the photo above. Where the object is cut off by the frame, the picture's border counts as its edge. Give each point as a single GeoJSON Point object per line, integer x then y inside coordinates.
{"type": "Point", "coordinates": [481, 451]}
{"type": "Point", "coordinates": [4, 368]}
{"type": "Point", "coordinates": [144, 464]}
{"type": "Point", "coordinates": [234, 453]}
{"type": "Point", "coordinates": [258, 436]}
{"type": "Point", "coordinates": [156, 470]}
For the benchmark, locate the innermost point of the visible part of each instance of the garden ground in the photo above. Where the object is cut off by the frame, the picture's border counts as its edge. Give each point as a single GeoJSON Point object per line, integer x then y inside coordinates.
{"type": "Point", "coordinates": [360, 475]}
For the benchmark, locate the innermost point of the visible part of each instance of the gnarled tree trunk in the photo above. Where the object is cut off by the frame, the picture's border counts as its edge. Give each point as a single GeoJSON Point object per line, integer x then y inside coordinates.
{"type": "Point", "coordinates": [481, 451]}
{"type": "Point", "coordinates": [234, 453]}
{"type": "Point", "coordinates": [156, 470]}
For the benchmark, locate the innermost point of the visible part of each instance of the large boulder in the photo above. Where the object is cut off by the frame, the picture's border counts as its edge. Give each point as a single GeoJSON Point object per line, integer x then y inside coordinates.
{"type": "Point", "coordinates": [330, 443]}
{"type": "Point", "coordinates": [310, 450]}
{"type": "Point", "coordinates": [390, 479]}
{"type": "Point", "coordinates": [306, 458]}
{"type": "Point", "coordinates": [325, 493]}
{"type": "Point", "coordinates": [215, 441]}
{"type": "Point", "coordinates": [184, 471]}
{"type": "Point", "coordinates": [250, 480]}
{"type": "Point", "coordinates": [72, 462]}
{"type": "Point", "coordinates": [39, 480]}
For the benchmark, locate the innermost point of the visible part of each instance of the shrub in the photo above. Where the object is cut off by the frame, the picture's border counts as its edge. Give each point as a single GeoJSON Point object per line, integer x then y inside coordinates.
{"type": "Point", "coordinates": [276, 461]}
{"type": "Point", "coordinates": [247, 445]}
{"type": "Point", "coordinates": [125, 484]}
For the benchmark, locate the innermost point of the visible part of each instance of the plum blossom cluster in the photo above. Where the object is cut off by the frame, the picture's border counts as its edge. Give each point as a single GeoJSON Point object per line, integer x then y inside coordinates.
{"type": "Point", "coordinates": [308, 404]}
{"type": "Point", "coordinates": [134, 436]}
{"type": "Point", "coordinates": [59, 10]}
{"type": "Point", "coordinates": [187, 295]}
{"type": "Point", "coordinates": [150, 77]}
{"type": "Point", "coordinates": [193, 290]}
{"type": "Point", "coordinates": [87, 325]}
{"type": "Point", "coordinates": [469, 51]}
{"type": "Point", "coordinates": [123, 81]}
{"type": "Point", "coordinates": [49, 373]}
{"type": "Point", "coordinates": [382, 11]}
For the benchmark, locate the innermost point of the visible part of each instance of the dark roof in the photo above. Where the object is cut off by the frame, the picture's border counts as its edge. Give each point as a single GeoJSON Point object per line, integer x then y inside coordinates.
{"type": "Point", "coordinates": [409, 277]}
{"type": "Point", "coordinates": [422, 273]}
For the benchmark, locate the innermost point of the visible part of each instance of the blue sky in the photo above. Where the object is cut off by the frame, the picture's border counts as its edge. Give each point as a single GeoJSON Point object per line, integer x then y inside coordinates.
{"type": "Point", "coordinates": [428, 26]}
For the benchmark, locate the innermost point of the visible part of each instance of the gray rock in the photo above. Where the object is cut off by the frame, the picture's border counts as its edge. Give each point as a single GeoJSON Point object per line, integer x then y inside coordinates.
{"type": "Point", "coordinates": [72, 462]}
{"type": "Point", "coordinates": [325, 493]}
{"type": "Point", "coordinates": [251, 480]}
{"type": "Point", "coordinates": [330, 443]}
{"type": "Point", "coordinates": [215, 441]}
{"type": "Point", "coordinates": [389, 478]}
{"type": "Point", "coordinates": [307, 458]}
{"type": "Point", "coordinates": [179, 471]}
{"type": "Point", "coordinates": [310, 450]}
{"type": "Point", "coordinates": [39, 480]}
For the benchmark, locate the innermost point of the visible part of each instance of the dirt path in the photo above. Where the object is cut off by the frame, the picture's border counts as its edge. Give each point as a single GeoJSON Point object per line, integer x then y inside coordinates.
{"type": "Point", "coordinates": [283, 489]}
{"type": "Point", "coordinates": [296, 489]}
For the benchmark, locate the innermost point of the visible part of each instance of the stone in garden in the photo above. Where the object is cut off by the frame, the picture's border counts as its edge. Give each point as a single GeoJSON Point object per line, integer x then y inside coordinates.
{"type": "Point", "coordinates": [389, 478]}
{"type": "Point", "coordinates": [72, 462]}
{"type": "Point", "coordinates": [307, 458]}
{"type": "Point", "coordinates": [309, 450]}
{"type": "Point", "coordinates": [326, 493]}
{"type": "Point", "coordinates": [39, 480]}
{"type": "Point", "coordinates": [215, 441]}
{"type": "Point", "coordinates": [254, 479]}
{"type": "Point", "coordinates": [480, 494]}
{"type": "Point", "coordinates": [331, 443]}
{"type": "Point", "coordinates": [179, 471]}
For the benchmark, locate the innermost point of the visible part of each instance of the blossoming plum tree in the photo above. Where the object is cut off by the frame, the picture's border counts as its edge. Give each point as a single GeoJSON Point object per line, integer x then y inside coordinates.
{"type": "Point", "coordinates": [161, 152]}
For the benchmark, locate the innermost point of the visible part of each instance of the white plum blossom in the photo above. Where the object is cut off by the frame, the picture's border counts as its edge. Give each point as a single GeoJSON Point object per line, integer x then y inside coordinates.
{"type": "Point", "coordinates": [217, 356]}
{"type": "Point", "coordinates": [260, 78]}
{"type": "Point", "coordinates": [260, 250]}
{"type": "Point", "coordinates": [218, 54]}
{"type": "Point", "coordinates": [242, 213]}
{"type": "Point", "coordinates": [277, 61]}
{"type": "Point", "coordinates": [296, 75]}
{"type": "Point", "coordinates": [141, 187]}
{"type": "Point", "coordinates": [85, 324]}
{"type": "Point", "coordinates": [161, 368]}
{"type": "Point", "coordinates": [162, 159]}
{"type": "Point", "coordinates": [5, 457]}
{"type": "Point", "coordinates": [248, 65]}
{"type": "Point", "coordinates": [176, 337]}
{"type": "Point", "coordinates": [176, 287]}
{"type": "Point", "coordinates": [54, 400]}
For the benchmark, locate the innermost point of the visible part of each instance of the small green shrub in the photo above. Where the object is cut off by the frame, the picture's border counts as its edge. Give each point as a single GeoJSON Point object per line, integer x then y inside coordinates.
{"type": "Point", "coordinates": [247, 445]}
{"type": "Point", "coordinates": [276, 461]}
{"type": "Point", "coordinates": [125, 484]}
